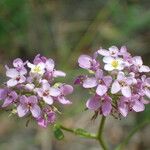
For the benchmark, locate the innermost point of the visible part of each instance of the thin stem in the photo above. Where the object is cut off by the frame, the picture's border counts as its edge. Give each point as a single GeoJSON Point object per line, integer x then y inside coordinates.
{"type": "Point", "coordinates": [79, 132]}
{"type": "Point", "coordinates": [100, 131]}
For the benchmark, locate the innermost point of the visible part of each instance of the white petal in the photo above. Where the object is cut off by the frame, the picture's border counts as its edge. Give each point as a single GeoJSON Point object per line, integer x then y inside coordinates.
{"type": "Point", "coordinates": [115, 87]}
{"type": "Point", "coordinates": [108, 67]}
{"type": "Point", "coordinates": [126, 91]}
{"type": "Point", "coordinates": [108, 60]}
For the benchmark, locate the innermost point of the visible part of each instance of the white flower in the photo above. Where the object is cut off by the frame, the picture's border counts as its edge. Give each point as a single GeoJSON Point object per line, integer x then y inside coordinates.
{"type": "Point", "coordinates": [37, 69]}
{"type": "Point", "coordinates": [113, 63]}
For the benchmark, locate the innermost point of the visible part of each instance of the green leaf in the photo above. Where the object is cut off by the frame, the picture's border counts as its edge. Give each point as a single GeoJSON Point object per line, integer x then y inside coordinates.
{"type": "Point", "coordinates": [58, 132]}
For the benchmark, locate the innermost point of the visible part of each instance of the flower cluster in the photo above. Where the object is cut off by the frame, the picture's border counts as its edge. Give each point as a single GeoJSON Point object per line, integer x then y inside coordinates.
{"type": "Point", "coordinates": [118, 84]}
{"type": "Point", "coordinates": [31, 90]}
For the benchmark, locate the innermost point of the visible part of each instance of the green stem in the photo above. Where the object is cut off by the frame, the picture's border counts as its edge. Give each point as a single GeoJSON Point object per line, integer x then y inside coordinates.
{"type": "Point", "coordinates": [100, 132]}
{"type": "Point", "coordinates": [79, 132]}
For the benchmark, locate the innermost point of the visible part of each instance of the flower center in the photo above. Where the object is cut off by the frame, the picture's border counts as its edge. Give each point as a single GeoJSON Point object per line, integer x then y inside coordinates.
{"type": "Point", "coordinates": [115, 63]}
{"type": "Point", "coordinates": [37, 69]}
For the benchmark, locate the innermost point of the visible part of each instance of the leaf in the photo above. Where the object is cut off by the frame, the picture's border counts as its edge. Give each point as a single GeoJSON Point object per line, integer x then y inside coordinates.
{"type": "Point", "coordinates": [58, 132]}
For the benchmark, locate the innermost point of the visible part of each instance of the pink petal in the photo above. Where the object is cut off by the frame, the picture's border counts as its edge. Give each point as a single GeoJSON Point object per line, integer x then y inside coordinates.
{"type": "Point", "coordinates": [107, 80]}
{"type": "Point", "coordinates": [101, 90]}
{"type": "Point", "coordinates": [7, 102]}
{"type": "Point", "coordinates": [106, 108]}
{"type": "Point", "coordinates": [66, 89]}
{"type": "Point", "coordinates": [137, 60]}
{"type": "Point", "coordinates": [138, 106]}
{"type": "Point", "coordinates": [32, 99]}
{"type": "Point", "coordinates": [11, 83]}
{"type": "Point", "coordinates": [93, 103]}
{"type": "Point", "coordinates": [58, 73]}
{"type": "Point", "coordinates": [48, 100]}
{"type": "Point", "coordinates": [126, 91]}
{"type": "Point", "coordinates": [36, 111]}
{"type": "Point", "coordinates": [63, 100]}
{"type": "Point", "coordinates": [144, 68]}
{"type": "Point", "coordinates": [50, 64]}
{"type": "Point", "coordinates": [54, 92]}
{"type": "Point", "coordinates": [99, 74]}
{"type": "Point", "coordinates": [103, 52]}
{"type": "Point", "coordinates": [123, 109]}
{"type": "Point", "coordinates": [115, 87]}
{"type": "Point", "coordinates": [85, 61]}
{"type": "Point", "coordinates": [89, 83]}
{"type": "Point", "coordinates": [22, 110]}
{"type": "Point", "coordinates": [147, 92]}
{"type": "Point", "coordinates": [12, 73]}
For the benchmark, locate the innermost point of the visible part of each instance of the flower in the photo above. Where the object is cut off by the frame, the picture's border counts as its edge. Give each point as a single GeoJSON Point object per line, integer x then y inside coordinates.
{"type": "Point", "coordinates": [112, 52]}
{"type": "Point", "coordinates": [8, 96]}
{"type": "Point", "coordinates": [88, 62]}
{"type": "Point", "coordinates": [38, 68]}
{"type": "Point", "coordinates": [16, 77]}
{"type": "Point", "coordinates": [28, 104]}
{"type": "Point", "coordinates": [134, 103]}
{"type": "Point", "coordinates": [122, 84]}
{"type": "Point", "coordinates": [65, 90]}
{"type": "Point", "coordinates": [113, 63]}
{"type": "Point", "coordinates": [101, 104]}
{"type": "Point", "coordinates": [118, 85]}
{"type": "Point", "coordinates": [138, 62]}
{"type": "Point", "coordinates": [47, 93]}
{"type": "Point", "coordinates": [102, 82]}
{"type": "Point", "coordinates": [31, 90]}
{"type": "Point", "coordinates": [49, 117]}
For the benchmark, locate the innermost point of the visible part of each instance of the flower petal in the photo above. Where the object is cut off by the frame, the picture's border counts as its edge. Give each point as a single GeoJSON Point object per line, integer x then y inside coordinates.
{"type": "Point", "coordinates": [12, 73]}
{"type": "Point", "coordinates": [36, 111]}
{"type": "Point", "coordinates": [12, 82]}
{"type": "Point", "coordinates": [108, 60]}
{"type": "Point", "coordinates": [103, 52]}
{"type": "Point", "coordinates": [93, 103]}
{"type": "Point", "coordinates": [106, 108]}
{"type": "Point", "coordinates": [58, 73]}
{"type": "Point", "coordinates": [48, 100]}
{"type": "Point", "coordinates": [63, 100]}
{"type": "Point", "coordinates": [138, 106]}
{"type": "Point", "coordinates": [115, 87]}
{"type": "Point", "coordinates": [89, 83]}
{"type": "Point", "coordinates": [22, 110]}
{"type": "Point", "coordinates": [54, 91]}
{"type": "Point", "coordinates": [144, 68]}
{"type": "Point", "coordinates": [85, 61]}
{"type": "Point", "coordinates": [126, 91]}
{"type": "Point", "coordinates": [101, 90]}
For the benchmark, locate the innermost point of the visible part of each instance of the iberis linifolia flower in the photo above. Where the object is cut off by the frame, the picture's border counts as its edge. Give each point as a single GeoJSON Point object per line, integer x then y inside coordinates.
{"type": "Point", "coordinates": [32, 92]}
{"type": "Point", "coordinates": [117, 82]}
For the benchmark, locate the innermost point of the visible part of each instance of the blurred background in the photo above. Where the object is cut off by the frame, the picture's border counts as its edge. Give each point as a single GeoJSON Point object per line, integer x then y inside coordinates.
{"type": "Point", "coordinates": [63, 30]}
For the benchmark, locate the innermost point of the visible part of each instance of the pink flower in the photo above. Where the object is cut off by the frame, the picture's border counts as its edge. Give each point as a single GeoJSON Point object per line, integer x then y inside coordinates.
{"type": "Point", "coordinates": [146, 86]}
{"type": "Point", "coordinates": [123, 84]}
{"type": "Point", "coordinates": [28, 104]}
{"type": "Point", "coordinates": [138, 62]}
{"type": "Point", "coordinates": [102, 82]}
{"type": "Point", "coordinates": [47, 93]}
{"type": "Point", "coordinates": [101, 104]}
{"type": "Point", "coordinates": [16, 77]}
{"type": "Point", "coordinates": [8, 96]}
{"type": "Point", "coordinates": [65, 90]}
{"type": "Point", "coordinates": [48, 117]}
{"type": "Point", "coordinates": [134, 103]}
{"type": "Point", "coordinates": [112, 52]}
{"type": "Point", "coordinates": [88, 62]}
